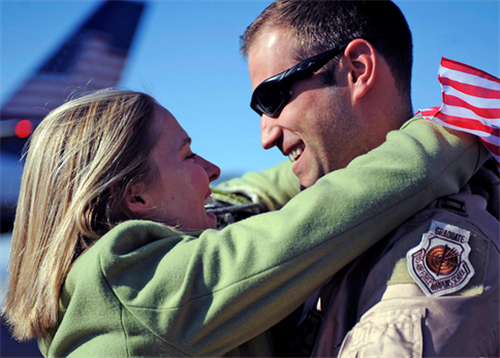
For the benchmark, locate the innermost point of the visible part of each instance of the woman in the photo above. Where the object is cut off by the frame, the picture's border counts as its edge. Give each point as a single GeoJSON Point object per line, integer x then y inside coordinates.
{"type": "Point", "coordinates": [89, 279]}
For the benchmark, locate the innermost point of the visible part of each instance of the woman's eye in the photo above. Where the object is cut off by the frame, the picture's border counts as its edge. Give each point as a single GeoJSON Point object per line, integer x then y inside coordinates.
{"type": "Point", "coordinates": [191, 156]}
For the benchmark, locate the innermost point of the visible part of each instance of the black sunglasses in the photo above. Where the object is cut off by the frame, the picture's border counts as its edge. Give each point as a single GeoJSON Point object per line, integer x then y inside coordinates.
{"type": "Point", "coordinates": [272, 95]}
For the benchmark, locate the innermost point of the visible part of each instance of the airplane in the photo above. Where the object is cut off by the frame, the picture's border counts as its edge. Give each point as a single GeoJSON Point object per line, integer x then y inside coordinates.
{"type": "Point", "coordinates": [91, 58]}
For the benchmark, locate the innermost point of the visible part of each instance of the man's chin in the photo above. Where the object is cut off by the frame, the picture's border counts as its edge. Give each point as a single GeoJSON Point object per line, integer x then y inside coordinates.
{"type": "Point", "coordinates": [307, 170]}
{"type": "Point", "coordinates": [308, 180]}
{"type": "Point", "coordinates": [306, 184]}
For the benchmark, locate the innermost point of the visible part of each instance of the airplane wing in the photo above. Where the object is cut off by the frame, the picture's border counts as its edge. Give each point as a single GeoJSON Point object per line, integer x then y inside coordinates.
{"type": "Point", "coordinates": [92, 57]}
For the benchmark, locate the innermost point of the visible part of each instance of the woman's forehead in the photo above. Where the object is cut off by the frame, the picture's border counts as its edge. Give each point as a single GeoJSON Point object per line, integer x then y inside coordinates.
{"type": "Point", "coordinates": [169, 130]}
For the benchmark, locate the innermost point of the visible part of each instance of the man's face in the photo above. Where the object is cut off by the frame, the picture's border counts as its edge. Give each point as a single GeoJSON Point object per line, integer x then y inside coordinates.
{"type": "Point", "coordinates": [317, 129]}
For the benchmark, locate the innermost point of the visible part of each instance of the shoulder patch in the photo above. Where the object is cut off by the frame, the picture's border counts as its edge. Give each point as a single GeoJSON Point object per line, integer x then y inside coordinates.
{"type": "Point", "coordinates": [440, 263]}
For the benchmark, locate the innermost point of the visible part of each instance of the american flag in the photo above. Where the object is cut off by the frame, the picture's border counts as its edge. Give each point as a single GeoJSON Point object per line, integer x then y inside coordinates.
{"type": "Point", "coordinates": [471, 103]}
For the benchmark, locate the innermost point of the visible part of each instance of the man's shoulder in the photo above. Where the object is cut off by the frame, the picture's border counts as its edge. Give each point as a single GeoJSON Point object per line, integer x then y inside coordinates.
{"type": "Point", "coordinates": [445, 247]}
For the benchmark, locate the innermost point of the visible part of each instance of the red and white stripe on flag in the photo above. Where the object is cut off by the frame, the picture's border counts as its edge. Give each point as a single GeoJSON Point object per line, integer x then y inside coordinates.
{"type": "Point", "coordinates": [471, 103]}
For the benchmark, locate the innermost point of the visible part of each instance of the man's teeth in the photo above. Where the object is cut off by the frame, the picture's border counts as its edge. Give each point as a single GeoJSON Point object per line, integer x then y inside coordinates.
{"type": "Point", "coordinates": [294, 154]}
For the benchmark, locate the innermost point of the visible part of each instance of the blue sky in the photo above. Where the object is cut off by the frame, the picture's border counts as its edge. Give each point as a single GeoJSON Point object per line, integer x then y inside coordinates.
{"type": "Point", "coordinates": [186, 54]}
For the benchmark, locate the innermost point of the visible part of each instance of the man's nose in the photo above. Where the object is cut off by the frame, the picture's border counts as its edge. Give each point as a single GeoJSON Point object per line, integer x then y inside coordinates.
{"type": "Point", "coordinates": [270, 132]}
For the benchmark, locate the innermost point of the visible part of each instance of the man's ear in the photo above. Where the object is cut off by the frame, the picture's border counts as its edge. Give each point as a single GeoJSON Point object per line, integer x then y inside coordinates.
{"type": "Point", "coordinates": [137, 200]}
{"type": "Point", "coordinates": [361, 62]}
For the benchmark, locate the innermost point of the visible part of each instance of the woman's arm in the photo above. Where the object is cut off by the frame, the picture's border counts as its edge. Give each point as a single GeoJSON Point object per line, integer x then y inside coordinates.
{"type": "Point", "coordinates": [208, 295]}
{"type": "Point", "coordinates": [274, 187]}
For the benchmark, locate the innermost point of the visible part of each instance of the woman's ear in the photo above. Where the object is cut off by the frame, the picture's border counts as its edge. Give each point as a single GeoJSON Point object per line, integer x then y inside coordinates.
{"type": "Point", "coordinates": [136, 199]}
{"type": "Point", "coordinates": [361, 61]}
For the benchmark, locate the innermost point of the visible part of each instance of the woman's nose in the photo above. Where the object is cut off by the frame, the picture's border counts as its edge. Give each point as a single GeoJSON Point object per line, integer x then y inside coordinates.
{"type": "Point", "coordinates": [213, 171]}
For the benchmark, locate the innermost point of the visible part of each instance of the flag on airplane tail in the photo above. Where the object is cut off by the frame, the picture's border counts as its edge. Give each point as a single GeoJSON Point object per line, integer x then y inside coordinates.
{"type": "Point", "coordinates": [471, 103]}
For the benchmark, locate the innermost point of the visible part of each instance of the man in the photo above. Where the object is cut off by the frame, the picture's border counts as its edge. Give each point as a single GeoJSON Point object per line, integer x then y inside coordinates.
{"type": "Point", "coordinates": [351, 88]}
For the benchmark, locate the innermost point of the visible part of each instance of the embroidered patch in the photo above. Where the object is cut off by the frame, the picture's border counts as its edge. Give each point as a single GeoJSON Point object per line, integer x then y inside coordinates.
{"type": "Point", "coordinates": [440, 263]}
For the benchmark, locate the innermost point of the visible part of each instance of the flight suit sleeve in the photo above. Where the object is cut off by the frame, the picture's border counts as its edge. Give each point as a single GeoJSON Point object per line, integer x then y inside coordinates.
{"type": "Point", "coordinates": [413, 318]}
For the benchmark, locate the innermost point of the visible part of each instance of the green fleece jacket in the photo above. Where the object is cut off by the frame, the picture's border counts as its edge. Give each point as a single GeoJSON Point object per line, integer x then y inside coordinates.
{"type": "Point", "coordinates": [146, 290]}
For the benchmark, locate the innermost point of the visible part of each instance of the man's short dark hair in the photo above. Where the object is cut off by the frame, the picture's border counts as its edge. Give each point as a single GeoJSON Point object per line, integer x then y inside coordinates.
{"type": "Point", "coordinates": [321, 25]}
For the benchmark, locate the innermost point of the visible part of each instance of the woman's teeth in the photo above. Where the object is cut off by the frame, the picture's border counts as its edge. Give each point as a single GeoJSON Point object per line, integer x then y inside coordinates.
{"type": "Point", "coordinates": [209, 201]}
{"type": "Point", "coordinates": [294, 154]}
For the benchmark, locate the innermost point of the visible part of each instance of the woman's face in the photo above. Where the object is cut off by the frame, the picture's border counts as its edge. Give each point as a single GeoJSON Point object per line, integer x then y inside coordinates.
{"type": "Point", "coordinates": [181, 187]}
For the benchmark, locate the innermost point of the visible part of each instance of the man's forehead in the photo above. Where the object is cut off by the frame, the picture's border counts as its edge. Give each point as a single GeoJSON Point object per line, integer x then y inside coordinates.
{"type": "Point", "coordinates": [272, 52]}
{"type": "Point", "coordinates": [272, 39]}
{"type": "Point", "coordinates": [277, 40]}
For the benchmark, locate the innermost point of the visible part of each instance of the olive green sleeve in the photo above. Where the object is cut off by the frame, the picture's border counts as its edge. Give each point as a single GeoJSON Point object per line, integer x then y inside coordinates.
{"type": "Point", "coordinates": [207, 295]}
{"type": "Point", "coordinates": [274, 187]}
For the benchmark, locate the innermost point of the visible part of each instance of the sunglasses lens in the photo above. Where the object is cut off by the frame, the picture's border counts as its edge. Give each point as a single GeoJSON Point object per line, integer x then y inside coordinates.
{"type": "Point", "coordinates": [268, 98]}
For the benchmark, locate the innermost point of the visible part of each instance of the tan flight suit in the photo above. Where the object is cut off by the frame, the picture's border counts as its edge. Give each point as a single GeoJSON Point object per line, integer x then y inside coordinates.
{"type": "Point", "coordinates": [374, 307]}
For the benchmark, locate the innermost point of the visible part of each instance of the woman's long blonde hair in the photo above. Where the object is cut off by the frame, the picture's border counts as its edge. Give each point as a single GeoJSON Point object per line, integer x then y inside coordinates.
{"type": "Point", "coordinates": [81, 159]}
